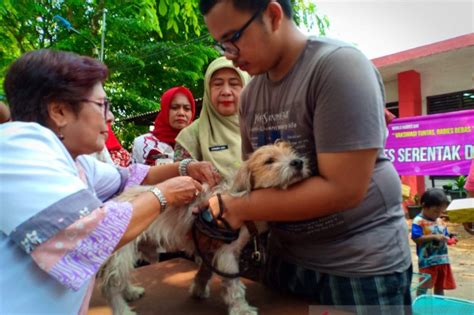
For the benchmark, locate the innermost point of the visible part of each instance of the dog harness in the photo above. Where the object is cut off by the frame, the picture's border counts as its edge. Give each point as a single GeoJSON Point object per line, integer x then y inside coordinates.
{"type": "Point", "coordinates": [208, 226]}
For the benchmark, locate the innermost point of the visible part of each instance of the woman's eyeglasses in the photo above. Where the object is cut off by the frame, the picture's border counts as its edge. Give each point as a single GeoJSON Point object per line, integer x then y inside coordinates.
{"type": "Point", "coordinates": [105, 105]}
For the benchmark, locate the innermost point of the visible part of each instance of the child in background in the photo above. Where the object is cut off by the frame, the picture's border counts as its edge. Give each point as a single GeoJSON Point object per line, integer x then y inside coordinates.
{"type": "Point", "coordinates": [431, 237]}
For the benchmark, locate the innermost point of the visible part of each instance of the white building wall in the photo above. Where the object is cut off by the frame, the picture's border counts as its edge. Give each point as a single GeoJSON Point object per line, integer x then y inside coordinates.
{"type": "Point", "coordinates": [446, 79]}
{"type": "Point", "coordinates": [391, 91]}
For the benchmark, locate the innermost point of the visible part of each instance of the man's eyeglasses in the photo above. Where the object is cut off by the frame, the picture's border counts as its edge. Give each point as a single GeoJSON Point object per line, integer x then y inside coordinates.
{"type": "Point", "coordinates": [106, 105]}
{"type": "Point", "coordinates": [228, 45]}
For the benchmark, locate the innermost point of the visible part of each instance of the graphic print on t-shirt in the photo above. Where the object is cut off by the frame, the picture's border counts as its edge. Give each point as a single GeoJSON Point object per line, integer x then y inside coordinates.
{"type": "Point", "coordinates": [267, 128]}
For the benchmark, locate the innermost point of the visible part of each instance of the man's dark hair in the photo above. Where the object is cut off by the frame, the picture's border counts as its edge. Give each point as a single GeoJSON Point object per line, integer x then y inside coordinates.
{"type": "Point", "coordinates": [246, 5]}
{"type": "Point", "coordinates": [43, 76]}
{"type": "Point", "coordinates": [434, 197]}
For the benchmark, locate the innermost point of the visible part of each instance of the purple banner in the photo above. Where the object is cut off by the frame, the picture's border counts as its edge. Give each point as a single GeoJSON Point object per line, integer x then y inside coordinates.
{"type": "Point", "coordinates": [440, 144]}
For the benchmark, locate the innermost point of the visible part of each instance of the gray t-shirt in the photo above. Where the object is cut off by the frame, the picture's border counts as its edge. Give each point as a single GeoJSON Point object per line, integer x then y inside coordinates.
{"type": "Point", "coordinates": [332, 100]}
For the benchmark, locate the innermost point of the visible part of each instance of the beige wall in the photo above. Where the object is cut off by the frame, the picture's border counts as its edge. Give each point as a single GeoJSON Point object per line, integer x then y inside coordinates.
{"type": "Point", "coordinates": [391, 91]}
{"type": "Point", "coordinates": [448, 79]}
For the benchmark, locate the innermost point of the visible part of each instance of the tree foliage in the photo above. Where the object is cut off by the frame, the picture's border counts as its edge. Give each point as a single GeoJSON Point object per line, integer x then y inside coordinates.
{"type": "Point", "coordinates": [150, 45]}
{"type": "Point", "coordinates": [308, 17]}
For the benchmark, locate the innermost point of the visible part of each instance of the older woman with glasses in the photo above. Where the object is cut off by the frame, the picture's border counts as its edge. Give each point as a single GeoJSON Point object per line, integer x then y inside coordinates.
{"type": "Point", "coordinates": [58, 223]}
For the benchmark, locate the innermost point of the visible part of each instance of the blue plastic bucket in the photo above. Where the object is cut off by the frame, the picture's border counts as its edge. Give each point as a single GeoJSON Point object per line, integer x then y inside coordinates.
{"type": "Point", "coordinates": [442, 305]}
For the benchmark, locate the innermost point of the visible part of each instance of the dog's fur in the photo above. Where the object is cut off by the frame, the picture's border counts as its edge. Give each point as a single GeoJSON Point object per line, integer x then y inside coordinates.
{"type": "Point", "coordinates": [270, 166]}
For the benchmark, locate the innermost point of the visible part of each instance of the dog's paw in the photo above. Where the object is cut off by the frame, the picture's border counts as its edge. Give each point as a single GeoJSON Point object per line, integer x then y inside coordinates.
{"type": "Point", "coordinates": [199, 292]}
{"type": "Point", "coordinates": [243, 309]}
{"type": "Point", "coordinates": [133, 293]}
{"type": "Point", "coordinates": [128, 311]}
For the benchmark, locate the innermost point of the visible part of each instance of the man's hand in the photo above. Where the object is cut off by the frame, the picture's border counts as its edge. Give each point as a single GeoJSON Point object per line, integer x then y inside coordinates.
{"type": "Point", "coordinates": [214, 208]}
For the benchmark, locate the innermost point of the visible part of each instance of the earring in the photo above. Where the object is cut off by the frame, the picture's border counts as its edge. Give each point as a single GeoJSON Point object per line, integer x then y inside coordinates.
{"type": "Point", "coordinates": [60, 135]}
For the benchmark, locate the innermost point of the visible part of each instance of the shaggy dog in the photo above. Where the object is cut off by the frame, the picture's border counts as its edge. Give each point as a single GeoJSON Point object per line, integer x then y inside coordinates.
{"type": "Point", "coordinates": [275, 166]}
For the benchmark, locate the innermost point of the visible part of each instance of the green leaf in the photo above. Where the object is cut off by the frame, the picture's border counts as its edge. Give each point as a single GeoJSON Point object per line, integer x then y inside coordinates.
{"type": "Point", "coordinates": [175, 27]}
{"type": "Point", "coordinates": [176, 8]}
{"type": "Point", "coordinates": [162, 8]}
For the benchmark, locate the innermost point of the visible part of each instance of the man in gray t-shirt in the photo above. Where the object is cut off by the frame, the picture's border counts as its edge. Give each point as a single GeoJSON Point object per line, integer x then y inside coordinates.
{"type": "Point", "coordinates": [339, 237]}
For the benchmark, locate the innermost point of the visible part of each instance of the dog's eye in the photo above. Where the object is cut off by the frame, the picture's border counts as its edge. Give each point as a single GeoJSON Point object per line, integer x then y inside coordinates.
{"type": "Point", "coordinates": [269, 161]}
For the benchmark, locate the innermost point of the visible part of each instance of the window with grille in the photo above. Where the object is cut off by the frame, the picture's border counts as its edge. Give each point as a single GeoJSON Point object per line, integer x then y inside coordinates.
{"type": "Point", "coordinates": [450, 102]}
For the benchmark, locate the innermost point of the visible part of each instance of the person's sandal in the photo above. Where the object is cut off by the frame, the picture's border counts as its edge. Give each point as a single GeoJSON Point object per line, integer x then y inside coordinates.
{"type": "Point", "coordinates": [216, 227]}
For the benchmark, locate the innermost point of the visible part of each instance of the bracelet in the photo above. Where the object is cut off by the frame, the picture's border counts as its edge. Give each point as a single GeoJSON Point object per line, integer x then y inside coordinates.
{"type": "Point", "coordinates": [159, 195]}
{"type": "Point", "coordinates": [183, 167]}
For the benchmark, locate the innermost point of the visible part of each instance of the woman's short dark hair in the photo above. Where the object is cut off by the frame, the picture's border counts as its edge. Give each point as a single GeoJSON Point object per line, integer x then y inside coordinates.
{"type": "Point", "coordinates": [247, 5]}
{"type": "Point", "coordinates": [434, 197]}
{"type": "Point", "coordinates": [43, 76]}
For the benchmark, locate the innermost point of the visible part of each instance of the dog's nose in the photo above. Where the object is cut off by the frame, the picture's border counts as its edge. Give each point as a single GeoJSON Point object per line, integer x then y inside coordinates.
{"type": "Point", "coordinates": [297, 163]}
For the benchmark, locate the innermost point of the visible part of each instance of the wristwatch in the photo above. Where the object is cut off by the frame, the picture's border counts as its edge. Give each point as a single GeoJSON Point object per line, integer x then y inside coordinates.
{"type": "Point", "coordinates": [159, 195]}
{"type": "Point", "coordinates": [183, 167]}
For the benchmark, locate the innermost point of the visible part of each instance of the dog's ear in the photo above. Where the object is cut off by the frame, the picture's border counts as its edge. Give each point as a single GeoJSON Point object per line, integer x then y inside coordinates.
{"type": "Point", "coordinates": [282, 143]}
{"type": "Point", "coordinates": [242, 181]}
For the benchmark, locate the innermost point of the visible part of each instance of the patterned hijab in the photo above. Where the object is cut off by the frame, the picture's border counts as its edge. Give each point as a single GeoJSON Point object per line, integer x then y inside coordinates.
{"type": "Point", "coordinates": [163, 130]}
{"type": "Point", "coordinates": [213, 137]}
